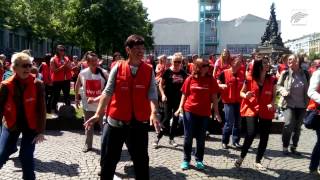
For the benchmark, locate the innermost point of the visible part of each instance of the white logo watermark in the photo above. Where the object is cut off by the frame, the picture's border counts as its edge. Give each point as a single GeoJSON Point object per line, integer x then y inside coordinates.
{"type": "Point", "coordinates": [299, 17]}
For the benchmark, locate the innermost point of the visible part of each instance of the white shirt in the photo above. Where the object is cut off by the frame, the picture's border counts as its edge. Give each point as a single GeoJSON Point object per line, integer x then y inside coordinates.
{"type": "Point", "coordinates": [85, 75]}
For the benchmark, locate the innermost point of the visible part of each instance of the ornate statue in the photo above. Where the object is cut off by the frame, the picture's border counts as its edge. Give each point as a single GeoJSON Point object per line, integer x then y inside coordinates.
{"type": "Point", "coordinates": [271, 35]}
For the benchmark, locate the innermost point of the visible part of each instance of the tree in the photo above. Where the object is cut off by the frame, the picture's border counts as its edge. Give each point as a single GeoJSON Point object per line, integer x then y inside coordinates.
{"type": "Point", "coordinates": [4, 12]}
{"type": "Point", "coordinates": [313, 55]}
{"type": "Point", "coordinates": [108, 23]}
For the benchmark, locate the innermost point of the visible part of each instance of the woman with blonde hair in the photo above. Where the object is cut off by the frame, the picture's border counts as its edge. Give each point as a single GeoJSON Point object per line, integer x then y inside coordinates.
{"type": "Point", "coordinates": [224, 62]}
{"type": "Point", "coordinates": [22, 104]}
{"type": "Point", "coordinates": [169, 86]}
{"type": "Point", "coordinates": [161, 67]}
{"type": "Point", "coordinates": [198, 92]}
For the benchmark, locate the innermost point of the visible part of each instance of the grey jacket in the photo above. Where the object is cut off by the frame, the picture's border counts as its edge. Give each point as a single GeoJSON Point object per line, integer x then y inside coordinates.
{"type": "Point", "coordinates": [285, 82]}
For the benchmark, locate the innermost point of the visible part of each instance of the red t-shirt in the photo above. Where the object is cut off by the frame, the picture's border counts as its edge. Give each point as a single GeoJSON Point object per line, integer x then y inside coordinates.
{"type": "Point", "coordinates": [198, 92]}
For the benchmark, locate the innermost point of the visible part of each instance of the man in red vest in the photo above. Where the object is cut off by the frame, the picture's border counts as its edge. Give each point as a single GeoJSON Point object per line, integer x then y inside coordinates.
{"type": "Point", "coordinates": [132, 99]}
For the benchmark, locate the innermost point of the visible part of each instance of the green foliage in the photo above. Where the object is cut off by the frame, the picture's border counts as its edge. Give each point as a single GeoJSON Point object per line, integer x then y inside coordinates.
{"type": "Point", "coordinates": [313, 56]}
{"type": "Point", "coordinates": [100, 25]}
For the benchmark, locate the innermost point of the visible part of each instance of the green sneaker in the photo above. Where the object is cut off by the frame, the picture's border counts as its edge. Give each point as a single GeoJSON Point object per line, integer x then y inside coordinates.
{"type": "Point", "coordinates": [199, 165]}
{"type": "Point", "coordinates": [184, 165]}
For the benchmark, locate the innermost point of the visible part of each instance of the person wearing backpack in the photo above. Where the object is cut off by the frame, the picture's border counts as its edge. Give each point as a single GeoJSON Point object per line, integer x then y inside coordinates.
{"type": "Point", "coordinates": [89, 85]}
{"type": "Point", "coordinates": [293, 86]}
{"type": "Point", "coordinates": [313, 93]}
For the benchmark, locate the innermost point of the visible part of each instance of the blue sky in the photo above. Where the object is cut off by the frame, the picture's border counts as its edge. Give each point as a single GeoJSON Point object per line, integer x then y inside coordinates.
{"type": "Point", "coordinates": [230, 9]}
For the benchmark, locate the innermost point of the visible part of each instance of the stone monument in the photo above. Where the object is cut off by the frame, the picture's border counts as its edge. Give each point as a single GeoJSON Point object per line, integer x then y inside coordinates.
{"type": "Point", "coordinates": [271, 41]}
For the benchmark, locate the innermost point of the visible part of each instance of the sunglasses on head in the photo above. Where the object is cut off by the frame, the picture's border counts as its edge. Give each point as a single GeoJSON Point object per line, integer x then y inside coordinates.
{"type": "Point", "coordinates": [27, 65]}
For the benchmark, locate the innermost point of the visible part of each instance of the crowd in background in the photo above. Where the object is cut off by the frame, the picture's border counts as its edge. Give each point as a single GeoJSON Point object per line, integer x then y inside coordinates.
{"type": "Point", "coordinates": [191, 91]}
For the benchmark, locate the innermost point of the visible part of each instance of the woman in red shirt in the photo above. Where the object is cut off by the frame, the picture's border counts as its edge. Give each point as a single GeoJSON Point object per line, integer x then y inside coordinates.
{"type": "Point", "coordinates": [258, 108]}
{"type": "Point", "coordinates": [198, 92]}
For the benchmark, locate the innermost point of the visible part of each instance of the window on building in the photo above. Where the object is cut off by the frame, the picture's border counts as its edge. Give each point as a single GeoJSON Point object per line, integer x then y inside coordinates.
{"type": "Point", "coordinates": [17, 42]}
{"type": "Point", "coordinates": [11, 40]}
{"type": "Point", "coordinates": [1, 39]}
{"type": "Point", "coordinates": [23, 42]}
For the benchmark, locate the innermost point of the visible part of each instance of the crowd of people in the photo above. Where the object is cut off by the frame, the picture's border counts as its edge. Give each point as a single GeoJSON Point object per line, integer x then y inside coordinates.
{"type": "Point", "coordinates": [126, 96]}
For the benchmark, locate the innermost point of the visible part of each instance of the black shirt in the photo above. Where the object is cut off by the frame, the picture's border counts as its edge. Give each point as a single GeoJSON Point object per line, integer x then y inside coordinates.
{"type": "Point", "coordinates": [173, 82]}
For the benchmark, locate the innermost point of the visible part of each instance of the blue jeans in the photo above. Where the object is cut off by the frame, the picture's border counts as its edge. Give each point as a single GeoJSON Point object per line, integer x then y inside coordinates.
{"type": "Point", "coordinates": [315, 157]}
{"type": "Point", "coordinates": [194, 127]}
{"type": "Point", "coordinates": [232, 124]}
{"type": "Point", "coordinates": [8, 141]}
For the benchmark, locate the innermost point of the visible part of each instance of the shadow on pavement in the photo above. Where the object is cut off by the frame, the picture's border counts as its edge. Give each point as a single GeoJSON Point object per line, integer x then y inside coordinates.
{"type": "Point", "coordinates": [155, 173]}
{"type": "Point", "coordinates": [287, 174]}
{"type": "Point", "coordinates": [56, 167]}
{"type": "Point", "coordinates": [237, 173]}
{"type": "Point", "coordinates": [276, 153]}
{"type": "Point", "coordinates": [54, 133]}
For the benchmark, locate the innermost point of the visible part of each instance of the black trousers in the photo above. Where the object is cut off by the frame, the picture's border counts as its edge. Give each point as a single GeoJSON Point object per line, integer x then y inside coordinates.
{"type": "Point", "coordinates": [255, 125]}
{"type": "Point", "coordinates": [169, 110]}
{"type": "Point", "coordinates": [49, 97]}
{"type": "Point", "coordinates": [135, 136]}
{"type": "Point", "coordinates": [57, 86]}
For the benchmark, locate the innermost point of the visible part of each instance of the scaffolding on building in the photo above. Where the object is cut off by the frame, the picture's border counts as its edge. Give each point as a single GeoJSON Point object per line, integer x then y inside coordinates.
{"type": "Point", "coordinates": [209, 18]}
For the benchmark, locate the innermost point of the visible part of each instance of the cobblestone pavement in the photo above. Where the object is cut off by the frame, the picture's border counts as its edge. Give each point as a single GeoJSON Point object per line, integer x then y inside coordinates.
{"type": "Point", "coordinates": [60, 157]}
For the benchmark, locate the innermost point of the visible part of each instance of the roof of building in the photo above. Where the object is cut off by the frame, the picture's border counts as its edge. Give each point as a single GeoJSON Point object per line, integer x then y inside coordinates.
{"type": "Point", "coordinates": [169, 20]}
{"type": "Point", "coordinates": [249, 17]}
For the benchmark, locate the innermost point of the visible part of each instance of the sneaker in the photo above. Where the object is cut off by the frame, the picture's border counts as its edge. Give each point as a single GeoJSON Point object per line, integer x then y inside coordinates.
{"type": "Point", "coordinates": [54, 116]}
{"type": "Point", "coordinates": [285, 151]}
{"type": "Point", "coordinates": [173, 143]}
{"type": "Point", "coordinates": [238, 162]}
{"type": "Point", "coordinates": [184, 165]}
{"type": "Point", "coordinates": [259, 167]}
{"type": "Point", "coordinates": [314, 172]}
{"type": "Point", "coordinates": [200, 165]}
{"type": "Point", "coordinates": [237, 145]}
{"type": "Point", "coordinates": [155, 143]}
{"type": "Point", "coordinates": [224, 146]}
{"type": "Point", "coordinates": [294, 151]}
{"type": "Point", "coordinates": [86, 149]}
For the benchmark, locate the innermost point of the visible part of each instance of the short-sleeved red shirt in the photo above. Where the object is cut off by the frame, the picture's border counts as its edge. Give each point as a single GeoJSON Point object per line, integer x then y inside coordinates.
{"type": "Point", "coordinates": [198, 92]}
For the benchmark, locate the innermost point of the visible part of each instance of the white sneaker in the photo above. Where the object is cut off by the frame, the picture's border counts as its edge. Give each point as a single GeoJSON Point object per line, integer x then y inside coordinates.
{"type": "Point", "coordinates": [54, 116]}
{"type": "Point", "coordinates": [173, 143]}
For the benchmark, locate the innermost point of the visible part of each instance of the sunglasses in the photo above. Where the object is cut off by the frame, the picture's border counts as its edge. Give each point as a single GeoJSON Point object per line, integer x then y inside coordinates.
{"type": "Point", "coordinates": [177, 62]}
{"type": "Point", "coordinates": [205, 65]}
{"type": "Point", "coordinates": [27, 65]}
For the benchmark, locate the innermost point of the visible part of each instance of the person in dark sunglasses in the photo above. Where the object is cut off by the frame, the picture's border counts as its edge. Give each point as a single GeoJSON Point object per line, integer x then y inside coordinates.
{"type": "Point", "coordinates": [23, 105]}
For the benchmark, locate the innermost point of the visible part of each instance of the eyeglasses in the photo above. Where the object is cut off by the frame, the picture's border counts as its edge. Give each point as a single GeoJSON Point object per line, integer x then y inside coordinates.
{"type": "Point", "coordinates": [205, 65]}
{"type": "Point", "coordinates": [27, 65]}
{"type": "Point", "coordinates": [177, 62]}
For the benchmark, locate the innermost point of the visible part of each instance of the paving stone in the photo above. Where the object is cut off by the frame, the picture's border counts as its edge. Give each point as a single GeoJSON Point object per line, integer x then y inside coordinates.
{"type": "Point", "coordinates": [60, 157]}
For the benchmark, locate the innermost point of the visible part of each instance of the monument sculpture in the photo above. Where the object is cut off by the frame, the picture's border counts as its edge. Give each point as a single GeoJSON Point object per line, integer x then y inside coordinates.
{"type": "Point", "coordinates": [271, 41]}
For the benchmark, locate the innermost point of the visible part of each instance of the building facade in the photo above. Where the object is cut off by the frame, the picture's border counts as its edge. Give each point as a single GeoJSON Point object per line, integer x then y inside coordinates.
{"type": "Point", "coordinates": [15, 41]}
{"type": "Point", "coordinates": [299, 45]}
{"type": "Point", "coordinates": [240, 35]}
{"type": "Point", "coordinates": [305, 44]}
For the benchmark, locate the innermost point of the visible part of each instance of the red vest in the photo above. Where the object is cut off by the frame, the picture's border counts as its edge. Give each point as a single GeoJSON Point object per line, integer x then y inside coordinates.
{"type": "Point", "coordinates": [234, 84]}
{"type": "Point", "coordinates": [130, 96]}
{"type": "Point", "coordinates": [312, 104]}
{"type": "Point", "coordinates": [221, 67]}
{"type": "Point", "coordinates": [63, 74]}
{"type": "Point", "coordinates": [257, 105]}
{"type": "Point", "coordinates": [29, 101]}
{"type": "Point", "coordinates": [45, 71]}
